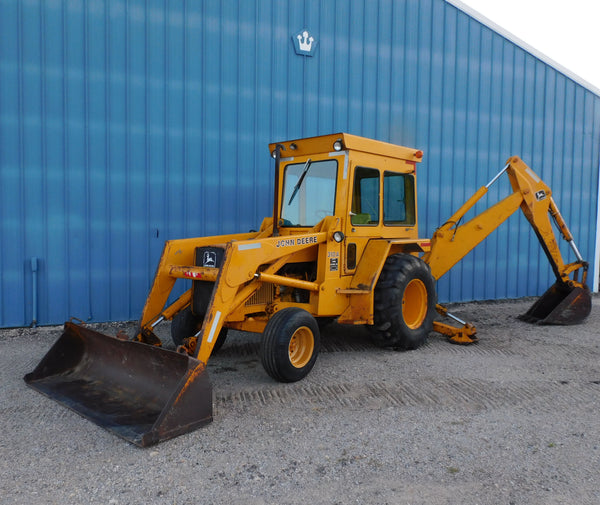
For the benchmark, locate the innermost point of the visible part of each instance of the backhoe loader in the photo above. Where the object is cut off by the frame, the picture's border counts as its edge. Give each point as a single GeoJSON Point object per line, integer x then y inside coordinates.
{"type": "Point", "coordinates": [342, 244]}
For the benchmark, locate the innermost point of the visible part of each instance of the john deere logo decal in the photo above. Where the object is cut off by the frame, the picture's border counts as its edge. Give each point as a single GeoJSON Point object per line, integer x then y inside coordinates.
{"type": "Point", "coordinates": [209, 259]}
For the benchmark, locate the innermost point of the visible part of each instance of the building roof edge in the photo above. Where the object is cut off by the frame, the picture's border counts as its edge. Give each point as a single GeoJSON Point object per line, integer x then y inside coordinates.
{"type": "Point", "coordinates": [524, 45]}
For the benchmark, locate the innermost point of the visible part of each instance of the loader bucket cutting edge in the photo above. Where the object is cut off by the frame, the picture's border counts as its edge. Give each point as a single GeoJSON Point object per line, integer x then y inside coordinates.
{"type": "Point", "coordinates": [141, 393]}
{"type": "Point", "coordinates": [561, 304]}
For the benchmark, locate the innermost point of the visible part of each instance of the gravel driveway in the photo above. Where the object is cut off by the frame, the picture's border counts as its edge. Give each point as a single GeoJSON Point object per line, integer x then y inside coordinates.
{"type": "Point", "coordinates": [510, 420]}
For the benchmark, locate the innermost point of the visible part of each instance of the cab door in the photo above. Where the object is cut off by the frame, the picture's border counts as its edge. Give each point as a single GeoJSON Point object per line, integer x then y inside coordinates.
{"type": "Point", "coordinates": [382, 205]}
{"type": "Point", "coordinates": [363, 221]}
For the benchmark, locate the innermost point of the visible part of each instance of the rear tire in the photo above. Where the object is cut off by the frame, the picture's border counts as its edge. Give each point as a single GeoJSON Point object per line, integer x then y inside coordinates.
{"type": "Point", "coordinates": [290, 345]}
{"type": "Point", "coordinates": [404, 303]}
{"type": "Point", "coordinates": [185, 324]}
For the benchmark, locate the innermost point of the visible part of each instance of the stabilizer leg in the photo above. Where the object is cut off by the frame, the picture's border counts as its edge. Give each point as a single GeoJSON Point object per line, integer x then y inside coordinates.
{"type": "Point", "coordinates": [464, 335]}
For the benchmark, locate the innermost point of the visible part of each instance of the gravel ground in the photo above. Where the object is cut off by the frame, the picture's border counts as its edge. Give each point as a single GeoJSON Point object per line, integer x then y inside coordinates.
{"type": "Point", "coordinates": [510, 420]}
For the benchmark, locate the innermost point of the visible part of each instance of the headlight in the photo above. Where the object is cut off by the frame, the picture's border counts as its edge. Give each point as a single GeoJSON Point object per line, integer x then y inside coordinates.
{"type": "Point", "coordinates": [338, 145]}
{"type": "Point", "coordinates": [338, 236]}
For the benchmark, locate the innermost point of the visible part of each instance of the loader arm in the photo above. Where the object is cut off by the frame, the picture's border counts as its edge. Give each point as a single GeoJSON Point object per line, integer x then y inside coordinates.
{"type": "Point", "coordinates": [249, 264]}
{"type": "Point", "coordinates": [453, 241]}
{"type": "Point", "coordinates": [177, 261]}
{"type": "Point", "coordinates": [249, 260]}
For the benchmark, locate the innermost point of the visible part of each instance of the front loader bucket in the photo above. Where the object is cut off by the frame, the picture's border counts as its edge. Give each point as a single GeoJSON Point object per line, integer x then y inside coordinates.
{"type": "Point", "coordinates": [142, 393]}
{"type": "Point", "coordinates": [561, 304]}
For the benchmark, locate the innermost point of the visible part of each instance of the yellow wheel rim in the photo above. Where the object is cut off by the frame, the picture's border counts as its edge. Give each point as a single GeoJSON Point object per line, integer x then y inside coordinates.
{"type": "Point", "coordinates": [414, 304]}
{"type": "Point", "coordinates": [301, 347]}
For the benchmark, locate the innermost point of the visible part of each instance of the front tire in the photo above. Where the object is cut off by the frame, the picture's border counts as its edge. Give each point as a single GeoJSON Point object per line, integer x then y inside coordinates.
{"type": "Point", "coordinates": [290, 345]}
{"type": "Point", "coordinates": [404, 303]}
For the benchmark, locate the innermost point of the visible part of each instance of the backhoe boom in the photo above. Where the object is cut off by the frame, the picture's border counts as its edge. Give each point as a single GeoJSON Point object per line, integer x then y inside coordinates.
{"type": "Point", "coordinates": [453, 241]}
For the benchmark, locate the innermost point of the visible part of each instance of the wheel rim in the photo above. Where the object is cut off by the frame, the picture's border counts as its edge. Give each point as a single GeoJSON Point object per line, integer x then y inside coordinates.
{"type": "Point", "coordinates": [414, 303]}
{"type": "Point", "coordinates": [301, 347]}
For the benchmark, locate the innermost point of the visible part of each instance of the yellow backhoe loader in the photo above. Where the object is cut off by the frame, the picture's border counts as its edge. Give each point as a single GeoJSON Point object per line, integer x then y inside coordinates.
{"type": "Point", "coordinates": [342, 244]}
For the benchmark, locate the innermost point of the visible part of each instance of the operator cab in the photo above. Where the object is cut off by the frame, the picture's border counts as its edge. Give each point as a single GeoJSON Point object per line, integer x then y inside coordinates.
{"type": "Point", "coordinates": [369, 184]}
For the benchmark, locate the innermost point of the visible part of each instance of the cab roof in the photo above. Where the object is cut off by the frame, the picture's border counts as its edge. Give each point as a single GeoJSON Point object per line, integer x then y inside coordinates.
{"type": "Point", "coordinates": [325, 143]}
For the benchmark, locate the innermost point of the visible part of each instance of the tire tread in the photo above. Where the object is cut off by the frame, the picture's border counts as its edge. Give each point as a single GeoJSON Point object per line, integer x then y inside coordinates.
{"type": "Point", "coordinates": [389, 329]}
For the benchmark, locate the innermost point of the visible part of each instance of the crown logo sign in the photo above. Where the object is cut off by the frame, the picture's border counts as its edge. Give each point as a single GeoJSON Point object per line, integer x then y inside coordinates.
{"type": "Point", "coordinates": [304, 43]}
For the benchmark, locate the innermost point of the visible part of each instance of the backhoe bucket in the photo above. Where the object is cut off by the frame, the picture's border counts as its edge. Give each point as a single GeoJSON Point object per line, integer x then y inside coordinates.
{"type": "Point", "coordinates": [142, 393]}
{"type": "Point", "coordinates": [561, 304]}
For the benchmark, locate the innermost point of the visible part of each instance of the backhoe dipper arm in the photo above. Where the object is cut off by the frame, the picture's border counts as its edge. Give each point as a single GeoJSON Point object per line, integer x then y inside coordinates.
{"type": "Point", "coordinates": [453, 241]}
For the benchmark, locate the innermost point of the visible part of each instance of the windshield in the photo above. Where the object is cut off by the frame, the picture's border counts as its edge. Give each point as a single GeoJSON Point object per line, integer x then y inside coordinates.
{"type": "Point", "coordinates": [308, 192]}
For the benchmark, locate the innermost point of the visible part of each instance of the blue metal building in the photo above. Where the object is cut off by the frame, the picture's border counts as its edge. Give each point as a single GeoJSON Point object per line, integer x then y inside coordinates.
{"type": "Point", "coordinates": [124, 123]}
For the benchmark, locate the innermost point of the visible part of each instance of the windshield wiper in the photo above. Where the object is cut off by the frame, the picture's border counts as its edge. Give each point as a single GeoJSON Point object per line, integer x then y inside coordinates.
{"type": "Point", "coordinates": [299, 183]}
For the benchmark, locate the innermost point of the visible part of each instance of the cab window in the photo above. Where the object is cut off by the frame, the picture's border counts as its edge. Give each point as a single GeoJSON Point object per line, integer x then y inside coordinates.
{"type": "Point", "coordinates": [398, 199]}
{"type": "Point", "coordinates": [308, 192]}
{"type": "Point", "coordinates": [365, 197]}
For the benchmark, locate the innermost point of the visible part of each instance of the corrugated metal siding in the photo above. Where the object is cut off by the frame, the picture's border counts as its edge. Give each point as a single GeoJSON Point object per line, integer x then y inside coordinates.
{"type": "Point", "coordinates": [125, 123]}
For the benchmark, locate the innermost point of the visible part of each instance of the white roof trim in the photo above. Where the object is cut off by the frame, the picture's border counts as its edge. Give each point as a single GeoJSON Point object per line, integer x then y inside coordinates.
{"type": "Point", "coordinates": [516, 40]}
{"type": "Point", "coordinates": [596, 262]}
